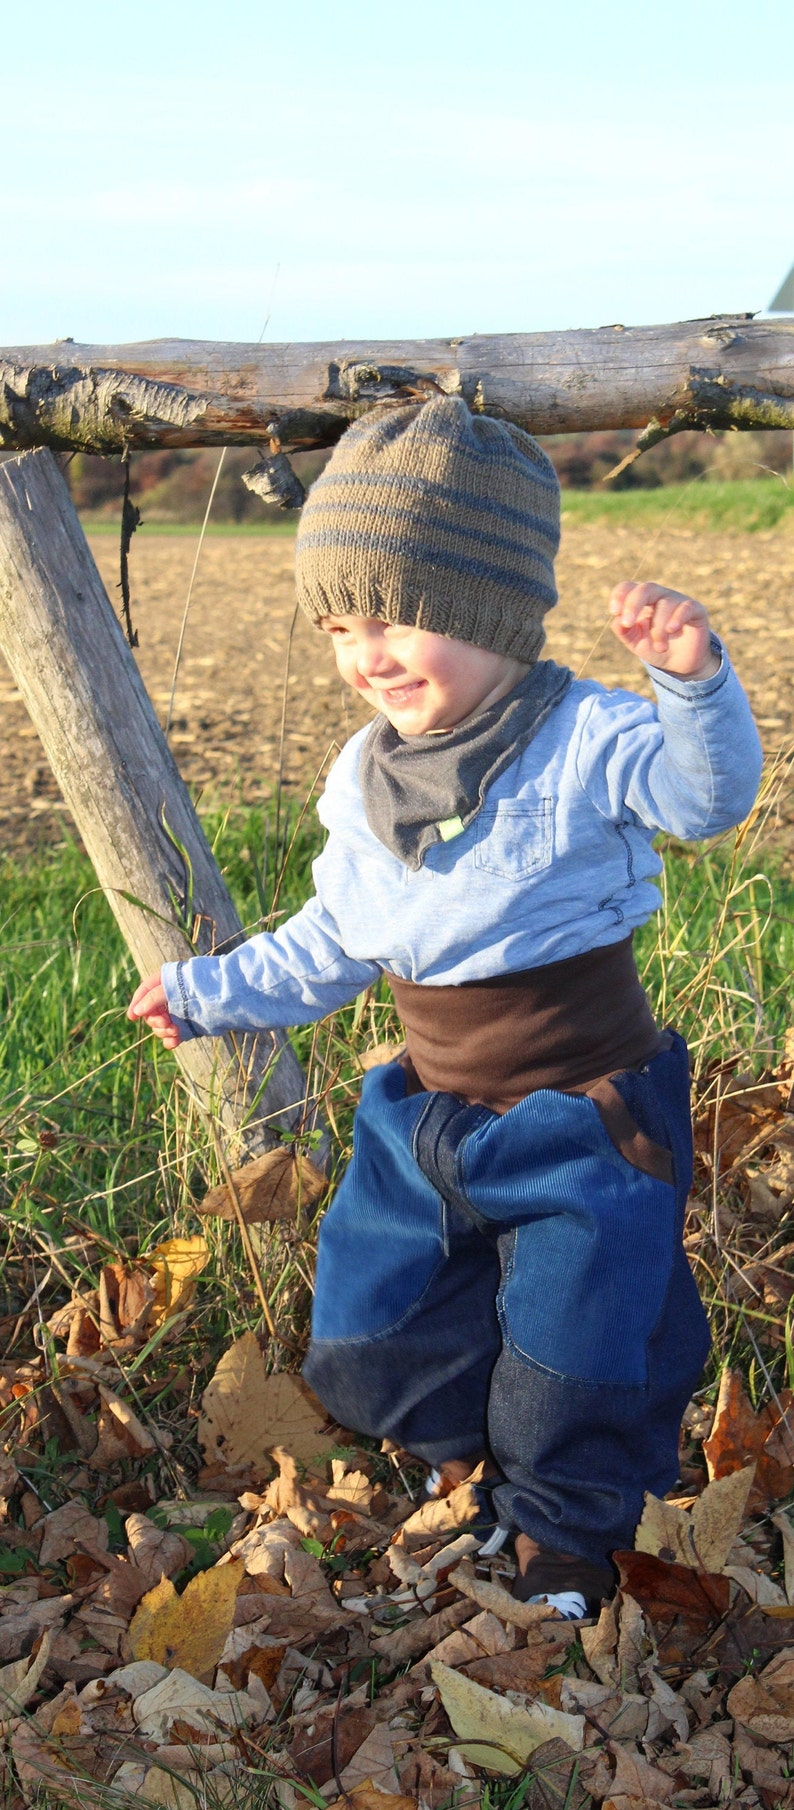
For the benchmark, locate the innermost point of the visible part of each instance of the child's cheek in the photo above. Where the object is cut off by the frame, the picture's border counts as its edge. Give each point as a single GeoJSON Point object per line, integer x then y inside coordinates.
{"type": "Point", "coordinates": [346, 666]}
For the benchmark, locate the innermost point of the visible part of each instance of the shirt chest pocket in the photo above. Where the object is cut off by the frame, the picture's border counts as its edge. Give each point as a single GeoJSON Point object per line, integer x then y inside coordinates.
{"type": "Point", "coordinates": [514, 841]}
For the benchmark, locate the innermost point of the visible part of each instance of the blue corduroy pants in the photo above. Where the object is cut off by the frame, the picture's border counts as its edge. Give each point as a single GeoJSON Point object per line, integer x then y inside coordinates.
{"type": "Point", "coordinates": [512, 1282]}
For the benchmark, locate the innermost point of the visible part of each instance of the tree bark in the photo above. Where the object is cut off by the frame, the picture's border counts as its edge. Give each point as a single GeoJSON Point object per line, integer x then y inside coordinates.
{"type": "Point", "coordinates": [727, 371]}
{"type": "Point", "coordinates": [85, 695]}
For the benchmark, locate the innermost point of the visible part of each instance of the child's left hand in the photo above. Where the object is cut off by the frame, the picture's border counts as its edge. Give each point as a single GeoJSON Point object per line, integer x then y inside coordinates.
{"type": "Point", "coordinates": [664, 628]}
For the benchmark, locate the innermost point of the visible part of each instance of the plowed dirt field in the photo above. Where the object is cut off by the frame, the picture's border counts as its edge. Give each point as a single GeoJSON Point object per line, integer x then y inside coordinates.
{"type": "Point", "coordinates": [227, 718]}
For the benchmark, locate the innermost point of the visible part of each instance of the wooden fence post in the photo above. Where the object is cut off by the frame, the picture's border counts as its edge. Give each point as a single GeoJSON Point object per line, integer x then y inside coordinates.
{"type": "Point", "coordinates": [85, 695]}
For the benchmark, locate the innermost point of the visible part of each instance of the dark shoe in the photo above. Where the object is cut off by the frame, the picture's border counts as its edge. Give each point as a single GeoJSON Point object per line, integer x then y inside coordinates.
{"type": "Point", "coordinates": [554, 1574]}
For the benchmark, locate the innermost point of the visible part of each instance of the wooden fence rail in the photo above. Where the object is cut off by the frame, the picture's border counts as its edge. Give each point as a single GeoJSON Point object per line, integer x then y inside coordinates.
{"type": "Point", "coordinates": [729, 371]}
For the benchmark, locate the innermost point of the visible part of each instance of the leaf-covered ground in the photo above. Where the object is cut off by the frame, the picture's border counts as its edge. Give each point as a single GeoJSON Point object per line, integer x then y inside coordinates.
{"type": "Point", "coordinates": [258, 1605]}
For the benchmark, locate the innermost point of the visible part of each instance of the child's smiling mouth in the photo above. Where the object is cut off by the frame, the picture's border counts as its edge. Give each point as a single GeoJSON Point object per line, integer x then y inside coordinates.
{"type": "Point", "coordinates": [400, 694]}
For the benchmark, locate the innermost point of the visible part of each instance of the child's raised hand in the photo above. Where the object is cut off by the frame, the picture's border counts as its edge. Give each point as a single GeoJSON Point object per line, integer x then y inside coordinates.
{"type": "Point", "coordinates": [149, 1002]}
{"type": "Point", "coordinates": [664, 628]}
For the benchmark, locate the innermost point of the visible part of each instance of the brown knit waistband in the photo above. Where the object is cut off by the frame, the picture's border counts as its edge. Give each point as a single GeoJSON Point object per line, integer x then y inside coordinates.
{"type": "Point", "coordinates": [564, 1025]}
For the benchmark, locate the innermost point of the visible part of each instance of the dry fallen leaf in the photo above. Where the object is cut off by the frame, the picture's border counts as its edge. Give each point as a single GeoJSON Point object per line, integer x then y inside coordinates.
{"type": "Point", "coordinates": [636, 1781]}
{"type": "Point", "coordinates": [157, 1552]}
{"type": "Point", "coordinates": [245, 1414]}
{"type": "Point", "coordinates": [60, 1771]}
{"type": "Point", "coordinates": [9, 1480]}
{"type": "Point", "coordinates": [765, 1705]}
{"type": "Point", "coordinates": [353, 1487]}
{"type": "Point", "coordinates": [126, 1298]}
{"type": "Point", "coordinates": [600, 1644]}
{"type": "Point", "coordinates": [379, 1054]}
{"type": "Point", "coordinates": [68, 1529]}
{"type": "Point", "coordinates": [762, 1765]}
{"type": "Point", "coordinates": [745, 1113]}
{"type": "Point", "coordinates": [496, 1733]}
{"type": "Point", "coordinates": [19, 1628]}
{"type": "Point", "coordinates": [373, 1763]}
{"type": "Point", "coordinates": [273, 1186]}
{"type": "Point", "coordinates": [786, 1531]}
{"type": "Point", "coordinates": [369, 1796]}
{"type": "Point", "coordinates": [499, 1601]}
{"type": "Point", "coordinates": [435, 1519]}
{"type": "Point", "coordinates": [187, 1631]}
{"type": "Point", "coordinates": [69, 1721]}
{"type": "Point", "coordinates": [181, 1697]}
{"type": "Point", "coordinates": [525, 1669]}
{"type": "Point", "coordinates": [420, 1635]}
{"type": "Point", "coordinates": [166, 1789]}
{"type": "Point", "coordinates": [666, 1591]}
{"type": "Point", "coordinates": [122, 1433]}
{"type": "Point", "coordinates": [20, 1680]}
{"type": "Point", "coordinates": [739, 1435]}
{"type": "Point", "coordinates": [702, 1538]}
{"type": "Point", "coordinates": [708, 1755]}
{"type": "Point", "coordinates": [755, 1584]}
{"type": "Point", "coordinates": [176, 1263]}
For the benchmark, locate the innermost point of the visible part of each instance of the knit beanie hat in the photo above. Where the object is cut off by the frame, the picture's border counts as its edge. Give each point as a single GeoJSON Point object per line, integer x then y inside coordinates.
{"type": "Point", "coordinates": [437, 518]}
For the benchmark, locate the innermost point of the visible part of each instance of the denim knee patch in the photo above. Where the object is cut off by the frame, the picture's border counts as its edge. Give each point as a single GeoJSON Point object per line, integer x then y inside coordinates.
{"type": "Point", "coordinates": [585, 1279]}
{"type": "Point", "coordinates": [588, 1240]}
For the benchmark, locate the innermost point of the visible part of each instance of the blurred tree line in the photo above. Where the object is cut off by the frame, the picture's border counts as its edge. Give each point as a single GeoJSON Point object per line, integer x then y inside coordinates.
{"type": "Point", "coordinates": [174, 486]}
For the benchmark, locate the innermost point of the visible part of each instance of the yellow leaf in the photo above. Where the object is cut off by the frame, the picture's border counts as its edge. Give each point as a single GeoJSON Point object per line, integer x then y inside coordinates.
{"type": "Point", "coordinates": [69, 1721]}
{"type": "Point", "coordinates": [188, 1631]}
{"type": "Point", "coordinates": [703, 1538]}
{"type": "Point", "coordinates": [496, 1733]}
{"type": "Point", "coordinates": [176, 1264]}
{"type": "Point", "coordinates": [245, 1414]}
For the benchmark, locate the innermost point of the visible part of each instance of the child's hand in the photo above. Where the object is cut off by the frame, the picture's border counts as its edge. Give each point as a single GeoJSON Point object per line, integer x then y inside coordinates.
{"type": "Point", "coordinates": [149, 1002]}
{"type": "Point", "coordinates": [664, 628]}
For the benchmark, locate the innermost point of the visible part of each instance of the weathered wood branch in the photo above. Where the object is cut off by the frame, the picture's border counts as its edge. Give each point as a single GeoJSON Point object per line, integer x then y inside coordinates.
{"type": "Point", "coordinates": [727, 371]}
{"type": "Point", "coordinates": [88, 702]}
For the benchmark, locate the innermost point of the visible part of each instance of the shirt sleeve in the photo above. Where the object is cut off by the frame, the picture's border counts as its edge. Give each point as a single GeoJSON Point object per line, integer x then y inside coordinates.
{"type": "Point", "coordinates": [691, 765]}
{"type": "Point", "coordinates": [294, 975]}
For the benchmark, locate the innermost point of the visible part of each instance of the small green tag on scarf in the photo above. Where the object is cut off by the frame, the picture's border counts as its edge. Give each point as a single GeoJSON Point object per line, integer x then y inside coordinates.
{"type": "Point", "coordinates": [450, 828]}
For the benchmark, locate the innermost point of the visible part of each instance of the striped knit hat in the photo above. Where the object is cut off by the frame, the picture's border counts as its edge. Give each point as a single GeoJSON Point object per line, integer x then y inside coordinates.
{"type": "Point", "coordinates": [438, 518]}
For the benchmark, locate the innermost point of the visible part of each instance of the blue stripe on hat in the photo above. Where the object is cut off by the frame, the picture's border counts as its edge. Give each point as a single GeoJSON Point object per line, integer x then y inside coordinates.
{"type": "Point", "coordinates": [429, 490]}
{"type": "Point", "coordinates": [413, 549]}
{"type": "Point", "coordinates": [392, 512]}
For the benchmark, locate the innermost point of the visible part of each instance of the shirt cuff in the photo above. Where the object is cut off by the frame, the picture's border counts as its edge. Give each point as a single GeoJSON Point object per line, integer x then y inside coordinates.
{"type": "Point", "coordinates": [172, 982]}
{"type": "Point", "coordinates": [693, 688]}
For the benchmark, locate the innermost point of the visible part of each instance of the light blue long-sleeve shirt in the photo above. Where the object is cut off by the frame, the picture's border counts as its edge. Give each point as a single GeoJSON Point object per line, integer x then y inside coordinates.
{"type": "Point", "coordinates": [558, 861]}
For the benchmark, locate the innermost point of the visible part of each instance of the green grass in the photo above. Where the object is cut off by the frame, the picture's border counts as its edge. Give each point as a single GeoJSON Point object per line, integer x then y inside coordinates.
{"type": "Point", "coordinates": [103, 524]}
{"type": "Point", "coordinates": [72, 1066]}
{"type": "Point", "coordinates": [747, 505]}
{"type": "Point", "coordinates": [739, 505]}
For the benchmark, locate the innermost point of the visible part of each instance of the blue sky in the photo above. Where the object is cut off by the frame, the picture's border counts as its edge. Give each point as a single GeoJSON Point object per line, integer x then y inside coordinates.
{"type": "Point", "coordinates": [377, 170]}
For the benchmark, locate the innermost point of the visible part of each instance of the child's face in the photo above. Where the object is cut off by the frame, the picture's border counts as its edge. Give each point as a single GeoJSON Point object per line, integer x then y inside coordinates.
{"type": "Point", "coordinates": [419, 680]}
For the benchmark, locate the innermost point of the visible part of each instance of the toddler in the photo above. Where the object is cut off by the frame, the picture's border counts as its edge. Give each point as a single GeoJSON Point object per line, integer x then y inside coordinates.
{"type": "Point", "coordinates": [501, 1274]}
